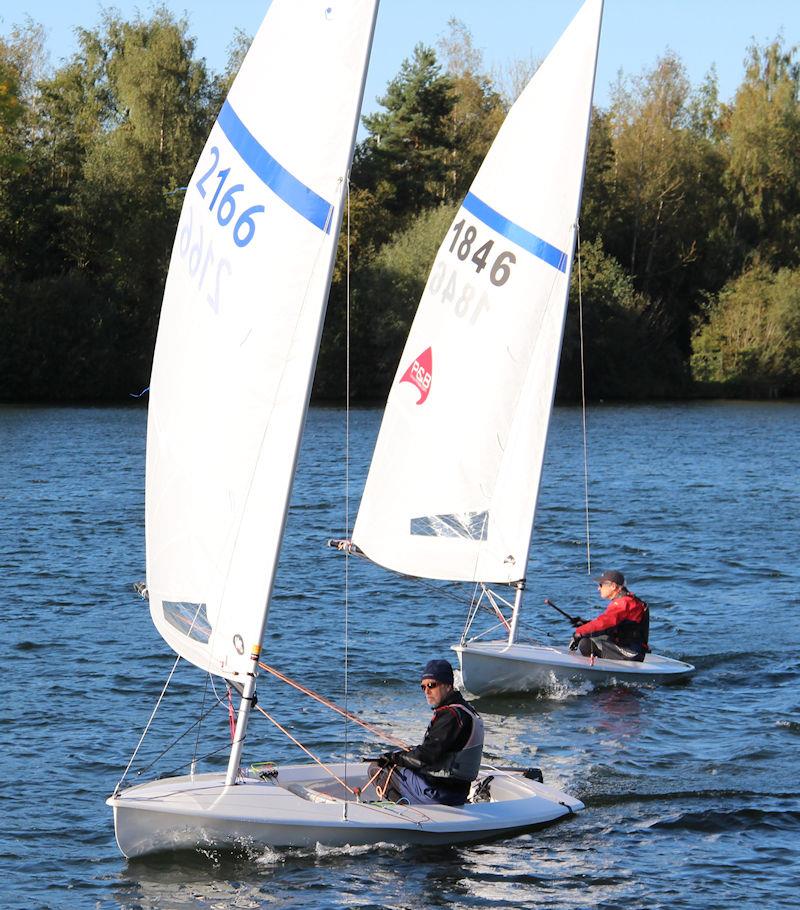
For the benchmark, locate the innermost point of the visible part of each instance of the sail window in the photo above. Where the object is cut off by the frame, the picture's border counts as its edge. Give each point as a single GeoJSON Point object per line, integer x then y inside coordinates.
{"type": "Point", "coordinates": [188, 618]}
{"type": "Point", "coordinates": [467, 525]}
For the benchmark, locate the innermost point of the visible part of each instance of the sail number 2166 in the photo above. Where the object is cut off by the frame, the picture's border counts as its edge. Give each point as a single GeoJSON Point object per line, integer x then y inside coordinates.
{"type": "Point", "coordinates": [244, 228]}
{"type": "Point", "coordinates": [464, 246]}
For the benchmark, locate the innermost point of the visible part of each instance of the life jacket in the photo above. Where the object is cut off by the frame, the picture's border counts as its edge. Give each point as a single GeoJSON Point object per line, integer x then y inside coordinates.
{"type": "Point", "coordinates": [465, 763]}
{"type": "Point", "coordinates": [630, 633]}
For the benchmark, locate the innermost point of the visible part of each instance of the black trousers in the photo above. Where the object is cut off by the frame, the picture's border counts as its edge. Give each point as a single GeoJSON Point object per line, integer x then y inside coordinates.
{"type": "Point", "coordinates": [602, 646]}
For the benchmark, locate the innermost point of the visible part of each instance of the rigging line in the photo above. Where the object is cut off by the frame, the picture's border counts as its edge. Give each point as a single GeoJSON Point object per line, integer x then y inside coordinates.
{"type": "Point", "coordinates": [349, 549]}
{"type": "Point", "coordinates": [310, 754]}
{"type": "Point", "coordinates": [147, 727]}
{"type": "Point", "coordinates": [583, 407]}
{"type": "Point", "coordinates": [177, 768]}
{"type": "Point", "coordinates": [379, 734]}
{"type": "Point", "coordinates": [176, 741]}
{"type": "Point", "coordinates": [199, 722]}
{"type": "Point", "coordinates": [347, 488]}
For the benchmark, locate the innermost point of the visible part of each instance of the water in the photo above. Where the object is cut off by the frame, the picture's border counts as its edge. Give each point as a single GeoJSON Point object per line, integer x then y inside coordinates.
{"type": "Point", "coordinates": [692, 792]}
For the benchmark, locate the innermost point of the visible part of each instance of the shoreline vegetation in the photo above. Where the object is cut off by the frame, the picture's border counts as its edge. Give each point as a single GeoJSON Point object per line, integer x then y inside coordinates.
{"type": "Point", "coordinates": [690, 221]}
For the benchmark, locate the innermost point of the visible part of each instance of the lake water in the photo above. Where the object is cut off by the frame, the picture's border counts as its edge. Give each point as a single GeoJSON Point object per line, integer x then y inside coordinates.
{"type": "Point", "coordinates": [692, 792]}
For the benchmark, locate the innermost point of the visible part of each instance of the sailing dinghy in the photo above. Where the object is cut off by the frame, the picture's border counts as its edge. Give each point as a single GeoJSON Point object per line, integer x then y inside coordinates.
{"type": "Point", "coordinates": [509, 667]}
{"type": "Point", "coordinates": [237, 343]}
{"type": "Point", "coordinates": [452, 487]}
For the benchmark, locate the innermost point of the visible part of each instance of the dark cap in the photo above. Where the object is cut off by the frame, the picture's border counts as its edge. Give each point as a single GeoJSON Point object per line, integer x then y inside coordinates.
{"type": "Point", "coordinates": [616, 578]}
{"type": "Point", "coordinates": [440, 670]}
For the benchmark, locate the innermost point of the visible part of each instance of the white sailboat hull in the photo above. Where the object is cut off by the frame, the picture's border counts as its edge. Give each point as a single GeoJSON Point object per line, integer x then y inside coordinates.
{"type": "Point", "coordinates": [184, 813]}
{"type": "Point", "coordinates": [495, 668]}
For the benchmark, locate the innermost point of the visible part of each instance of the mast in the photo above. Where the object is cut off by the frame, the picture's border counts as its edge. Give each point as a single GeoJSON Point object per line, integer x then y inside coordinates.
{"type": "Point", "coordinates": [512, 632]}
{"type": "Point", "coordinates": [248, 699]}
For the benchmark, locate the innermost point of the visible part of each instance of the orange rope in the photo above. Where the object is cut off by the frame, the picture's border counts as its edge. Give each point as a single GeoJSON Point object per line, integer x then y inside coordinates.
{"type": "Point", "coordinates": [380, 734]}
{"type": "Point", "coordinates": [231, 715]}
{"type": "Point", "coordinates": [308, 753]}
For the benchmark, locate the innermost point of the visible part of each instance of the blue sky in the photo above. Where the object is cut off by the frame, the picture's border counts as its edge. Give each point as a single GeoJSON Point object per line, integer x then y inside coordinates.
{"type": "Point", "coordinates": [635, 32]}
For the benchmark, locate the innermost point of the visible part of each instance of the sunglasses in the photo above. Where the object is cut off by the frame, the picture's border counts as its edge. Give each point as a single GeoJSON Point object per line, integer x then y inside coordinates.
{"type": "Point", "coordinates": [429, 685]}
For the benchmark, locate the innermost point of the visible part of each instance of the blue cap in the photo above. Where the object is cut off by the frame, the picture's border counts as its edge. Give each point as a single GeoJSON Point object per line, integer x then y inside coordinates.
{"type": "Point", "coordinates": [440, 670]}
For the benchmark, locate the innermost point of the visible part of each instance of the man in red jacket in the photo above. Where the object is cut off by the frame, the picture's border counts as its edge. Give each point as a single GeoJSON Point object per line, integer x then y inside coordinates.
{"type": "Point", "coordinates": [621, 632]}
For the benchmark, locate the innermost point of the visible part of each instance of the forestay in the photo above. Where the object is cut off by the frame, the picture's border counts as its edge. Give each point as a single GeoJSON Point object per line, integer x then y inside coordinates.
{"type": "Point", "coordinates": [240, 326]}
{"type": "Point", "coordinates": [453, 483]}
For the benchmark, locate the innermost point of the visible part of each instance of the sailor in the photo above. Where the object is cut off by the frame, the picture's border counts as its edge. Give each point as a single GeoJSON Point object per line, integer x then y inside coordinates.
{"type": "Point", "coordinates": [619, 633]}
{"type": "Point", "coordinates": [442, 768]}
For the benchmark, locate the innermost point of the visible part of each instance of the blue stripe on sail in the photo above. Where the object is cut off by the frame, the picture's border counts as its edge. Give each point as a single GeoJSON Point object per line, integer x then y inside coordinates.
{"type": "Point", "coordinates": [516, 234]}
{"type": "Point", "coordinates": [285, 185]}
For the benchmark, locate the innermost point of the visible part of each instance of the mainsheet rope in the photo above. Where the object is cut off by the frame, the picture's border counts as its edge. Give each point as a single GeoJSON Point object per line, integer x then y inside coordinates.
{"type": "Point", "coordinates": [379, 734]}
{"type": "Point", "coordinates": [308, 752]}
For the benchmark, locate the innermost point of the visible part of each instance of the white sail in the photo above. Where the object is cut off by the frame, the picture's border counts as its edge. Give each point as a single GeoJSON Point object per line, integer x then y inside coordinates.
{"type": "Point", "coordinates": [240, 326]}
{"type": "Point", "coordinates": [453, 483]}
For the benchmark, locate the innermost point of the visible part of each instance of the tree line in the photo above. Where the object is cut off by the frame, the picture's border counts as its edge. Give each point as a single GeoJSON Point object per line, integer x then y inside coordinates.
{"type": "Point", "coordinates": [690, 221]}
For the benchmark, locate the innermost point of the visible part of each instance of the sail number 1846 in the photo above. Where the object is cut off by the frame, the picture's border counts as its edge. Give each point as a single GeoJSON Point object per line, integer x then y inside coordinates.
{"type": "Point", "coordinates": [464, 246]}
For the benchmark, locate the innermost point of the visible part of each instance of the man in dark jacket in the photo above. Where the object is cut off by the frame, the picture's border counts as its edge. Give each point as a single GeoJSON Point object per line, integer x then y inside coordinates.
{"type": "Point", "coordinates": [442, 767]}
{"type": "Point", "coordinates": [621, 632]}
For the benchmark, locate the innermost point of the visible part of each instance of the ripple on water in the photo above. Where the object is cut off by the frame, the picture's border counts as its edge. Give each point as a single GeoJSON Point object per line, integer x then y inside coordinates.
{"type": "Point", "coordinates": [746, 819]}
{"type": "Point", "coordinates": [691, 791]}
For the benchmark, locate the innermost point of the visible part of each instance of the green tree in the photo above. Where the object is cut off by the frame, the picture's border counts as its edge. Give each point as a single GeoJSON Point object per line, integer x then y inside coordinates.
{"type": "Point", "coordinates": [629, 349]}
{"type": "Point", "coordinates": [748, 340]}
{"type": "Point", "coordinates": [21, 60]}
{"type": "Point", "coordinates": [477, 113]}
{"type": "Point", "coordinates": [117, 131]}
{"type": "Point", "coordinates": [404, 160]}
{"type": "Point", "coordinates": [10, 106]}
{"type": "Point", "coordinates": [666, 191]}
{"type": "Point", "coordinates": [596, 207]}
{"type": "Point", "coordinates": [764, 173]}
{"type": "Point", "coordinates": [237, 51]}
{"type": "Point", "coordinates": [384, 298]}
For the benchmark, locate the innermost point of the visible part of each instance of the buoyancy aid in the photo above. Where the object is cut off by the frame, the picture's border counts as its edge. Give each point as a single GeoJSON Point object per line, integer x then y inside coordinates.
{"type": "Point", "coordinates": [465, 763]}
{"type": "Point", "coordinates": [626, 621]}
{"type": "Point", "coordinates": [633, 631]}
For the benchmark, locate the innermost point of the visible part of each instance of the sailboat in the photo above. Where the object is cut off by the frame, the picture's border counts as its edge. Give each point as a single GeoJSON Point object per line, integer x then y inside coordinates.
{"type": "Point", "coordinates": [453, 483]}
{"type": "Point", "coordinates": [237, 344]}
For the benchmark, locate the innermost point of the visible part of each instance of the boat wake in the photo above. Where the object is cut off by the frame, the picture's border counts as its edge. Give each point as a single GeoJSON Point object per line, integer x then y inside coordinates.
{"type": "Point", "coordinates": [271, 856]}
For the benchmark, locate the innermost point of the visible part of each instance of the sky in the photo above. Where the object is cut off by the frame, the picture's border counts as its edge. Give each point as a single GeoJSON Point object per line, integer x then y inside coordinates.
{"type": "Point", "coordinates": [635, 32]}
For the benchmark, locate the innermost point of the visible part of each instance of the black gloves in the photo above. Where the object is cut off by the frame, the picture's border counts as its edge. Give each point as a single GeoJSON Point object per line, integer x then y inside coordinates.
{"type": "Point", "coordinates": [573, 645]}
{"type": "Point", "coordinates": [577, 621]}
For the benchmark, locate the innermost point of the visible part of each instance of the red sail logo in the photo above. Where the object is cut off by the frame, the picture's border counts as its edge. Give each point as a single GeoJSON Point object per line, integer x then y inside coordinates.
{"type": "Point", "coordinates": [420, 374]}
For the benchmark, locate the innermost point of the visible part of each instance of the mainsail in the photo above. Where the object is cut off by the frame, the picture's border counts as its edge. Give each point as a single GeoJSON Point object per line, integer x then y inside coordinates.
{"type": "Point", "coordinates": [452, 487]}
{"type": "Point", "coordinates": [240, 327]}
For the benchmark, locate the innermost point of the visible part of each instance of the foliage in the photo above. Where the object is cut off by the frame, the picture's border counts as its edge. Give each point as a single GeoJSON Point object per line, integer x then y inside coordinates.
{"type": "Point", "coordinates": [666, 188]}
{"type": "Point", "coordinates": [383, 302]}
{"type": "Point", "coordinates": [764, 173]}
{"type": "Point", "coordinates": [629, 351]}
{"type": "Point", "coordinates": [749, 339]}
{"type": "Point", "coordinates": [91, 216]}
{"type": "Point", "coordinates": [404, 161]}
{"type": "Point", "coordinates": [690, 215]}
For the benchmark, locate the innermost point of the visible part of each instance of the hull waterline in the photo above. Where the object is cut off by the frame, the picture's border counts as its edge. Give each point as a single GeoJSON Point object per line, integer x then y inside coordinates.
{"type": "Point", "coordinates": [495, 668]}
